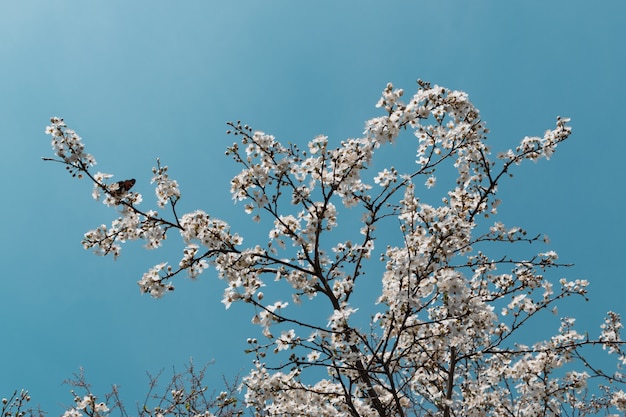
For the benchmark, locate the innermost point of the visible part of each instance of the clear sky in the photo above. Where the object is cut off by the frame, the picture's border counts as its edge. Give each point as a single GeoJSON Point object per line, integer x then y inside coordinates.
{"type": "Point", "coordinates": [144, 79]}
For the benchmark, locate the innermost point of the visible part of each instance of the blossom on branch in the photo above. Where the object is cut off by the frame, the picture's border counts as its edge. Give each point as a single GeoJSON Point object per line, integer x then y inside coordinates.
{"type": "Point", "coordinates": [444, 335]}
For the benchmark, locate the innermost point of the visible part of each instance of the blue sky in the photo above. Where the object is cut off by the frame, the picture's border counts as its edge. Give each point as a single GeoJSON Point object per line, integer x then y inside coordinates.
{"type": "Point", "coordinates": [146, 79]}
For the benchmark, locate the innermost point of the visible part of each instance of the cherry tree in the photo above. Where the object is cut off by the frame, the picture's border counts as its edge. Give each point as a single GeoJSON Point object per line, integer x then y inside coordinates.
{"type": "Point", "coordinates": [443, 335]}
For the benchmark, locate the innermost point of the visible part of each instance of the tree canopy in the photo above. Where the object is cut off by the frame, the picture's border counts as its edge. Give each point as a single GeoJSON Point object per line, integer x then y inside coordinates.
{"type": "Point", "coordinates": [443, 336]}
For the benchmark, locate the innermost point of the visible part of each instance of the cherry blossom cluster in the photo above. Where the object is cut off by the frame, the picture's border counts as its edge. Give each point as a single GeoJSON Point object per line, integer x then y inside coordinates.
{"type": "Point", "coordinates": [167, 189]}
{"type": "Point", "coordinates": [16, 405]}
{"type": "Point", "coordinates": [443, 339]}
{"type": "Point", "coordinates": [87, 405]}
{"type": "Point", "coordinates": [68, 146]}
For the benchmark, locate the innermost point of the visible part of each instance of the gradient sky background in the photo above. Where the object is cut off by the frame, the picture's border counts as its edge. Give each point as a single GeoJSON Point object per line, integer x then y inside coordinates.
{"type": "Point", "coordinates": [140, 79]}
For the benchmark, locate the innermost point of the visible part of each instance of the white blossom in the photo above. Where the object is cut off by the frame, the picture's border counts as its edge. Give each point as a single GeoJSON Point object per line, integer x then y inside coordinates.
{"type": "Point", "coordinates": [434, 345]}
